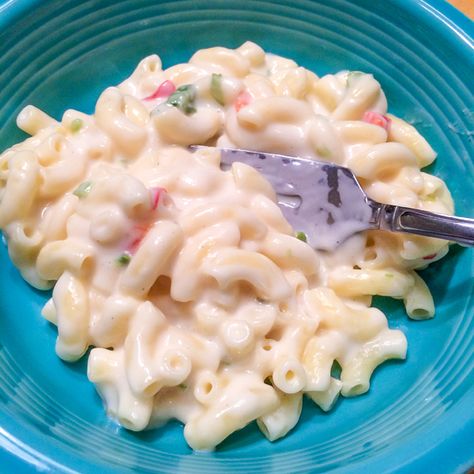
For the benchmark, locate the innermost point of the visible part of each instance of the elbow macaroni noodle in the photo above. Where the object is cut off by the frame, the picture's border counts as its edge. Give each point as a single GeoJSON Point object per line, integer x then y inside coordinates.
{"type": "Point", "coordinates": [199, 301]}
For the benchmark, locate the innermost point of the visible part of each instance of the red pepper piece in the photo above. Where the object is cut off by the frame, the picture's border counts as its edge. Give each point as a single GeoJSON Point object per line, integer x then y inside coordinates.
{"type": "Point", "coordinates": [156, 195]}
{"type": "Point", "coordinates": [243, 99]}
{"type": "Point", "coordinates": [165, 89]}
{"type": "Point", "coordinates": [138, 234]}
{"type": "Point", "coordinates": [377, 119]}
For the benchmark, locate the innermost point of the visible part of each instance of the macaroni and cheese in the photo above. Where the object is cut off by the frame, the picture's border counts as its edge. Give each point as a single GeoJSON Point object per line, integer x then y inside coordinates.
{"type": "Point", "coordinates": [199, 299]}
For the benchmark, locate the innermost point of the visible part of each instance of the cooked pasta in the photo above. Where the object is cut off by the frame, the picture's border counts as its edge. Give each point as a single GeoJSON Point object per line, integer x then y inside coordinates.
{"type": "Point", "coordinates": [200, 301]}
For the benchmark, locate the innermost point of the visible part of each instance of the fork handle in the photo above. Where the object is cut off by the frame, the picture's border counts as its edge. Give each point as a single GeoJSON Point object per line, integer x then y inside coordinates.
{"type": "Point", "coordinates": [430, 224]}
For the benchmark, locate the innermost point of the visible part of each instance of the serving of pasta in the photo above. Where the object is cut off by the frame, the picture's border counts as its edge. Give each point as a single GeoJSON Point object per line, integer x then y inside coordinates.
{"type": "Point", "coordinates": [201, 302]}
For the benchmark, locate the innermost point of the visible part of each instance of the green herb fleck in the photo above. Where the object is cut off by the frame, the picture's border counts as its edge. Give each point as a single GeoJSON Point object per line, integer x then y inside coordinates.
{"type": "Point", "coordinates": [301, 236]}
{"type": "Point", "coordinates": [83, 189]}
{"type": "Point", "coordinates": [389, 275]}
{"type": "Point", "coordinates": [216, 88]}
{"type": "Point", "coordinates": [124, 259]}
{"type": "Point", "coordinates": [183, 99]}
{"type": "Point", "coordinates": [183, 386]}
{"type": "Point", "coordinates": [352, 77]}
{"type": "Point", "coordinates": [268, 381]}
{"type": "Point", "coordinates": [124, 162]}
{"type": "Point", "coordinates": [76, 125]}
{"type": "Point", "coordinates": [323, 151]}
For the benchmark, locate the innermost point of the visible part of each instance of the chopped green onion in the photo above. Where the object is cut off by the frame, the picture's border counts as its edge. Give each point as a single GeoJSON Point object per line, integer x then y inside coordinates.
{"type": "Point", "coordinates": [352, 76]}
{"type": "Point", "coordinates": [268, 381]}
{"type": "Point", "coordinates": [301, 236]}
{"type": "Point", "coordinates": [183, 386]}
{"type": "Point", "coordinates": [76, 125]}
{"type": "Point", "coordinates": [183, 99]}
{"type": "Point", "coordinates": [323, 151]}
{"type": "Point", "coordinates": [83, 189]}
{"type": "Point", "coordinates": [124, 259]}
{"type": "Point", "coordinates": [216, 88]}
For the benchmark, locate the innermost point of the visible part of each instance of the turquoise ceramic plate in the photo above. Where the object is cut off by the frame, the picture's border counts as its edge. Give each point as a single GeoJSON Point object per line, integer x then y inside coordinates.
{"type": "Point", "coordinates": [418, 416]}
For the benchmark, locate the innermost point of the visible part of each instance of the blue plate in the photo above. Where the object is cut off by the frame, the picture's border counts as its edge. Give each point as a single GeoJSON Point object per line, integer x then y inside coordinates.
{"type": "Point", "coordinates": [418, 415]}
